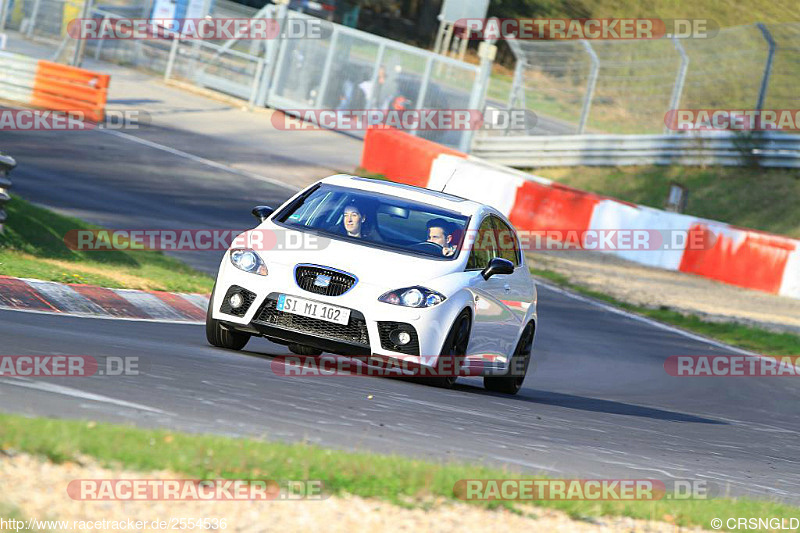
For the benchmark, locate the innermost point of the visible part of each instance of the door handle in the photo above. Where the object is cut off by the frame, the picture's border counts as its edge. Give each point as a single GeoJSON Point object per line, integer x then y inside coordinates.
{"type": "Point", "coordinates": [507, 287]}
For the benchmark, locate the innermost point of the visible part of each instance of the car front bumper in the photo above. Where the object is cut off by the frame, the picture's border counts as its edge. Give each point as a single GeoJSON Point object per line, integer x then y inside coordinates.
{"type": "Point", "coordinates": [361, 336]}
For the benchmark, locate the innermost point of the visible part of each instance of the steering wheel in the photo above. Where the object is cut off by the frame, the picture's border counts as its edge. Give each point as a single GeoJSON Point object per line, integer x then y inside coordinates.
{"type": "Point", "coordinates": [432, 248]}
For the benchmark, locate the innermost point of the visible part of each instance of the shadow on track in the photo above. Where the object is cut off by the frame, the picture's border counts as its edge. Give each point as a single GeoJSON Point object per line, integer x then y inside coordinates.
{"type": "Point", "coordinates": [556, 399]}
{"type": "Point", "coordinates": [596, 405]}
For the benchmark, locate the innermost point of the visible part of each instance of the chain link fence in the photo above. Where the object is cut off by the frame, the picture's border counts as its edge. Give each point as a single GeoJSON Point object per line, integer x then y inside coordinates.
{"type": "Point", "coordinates": [341, 69]}
{"type": "Point", "coordinates": [628, 86]}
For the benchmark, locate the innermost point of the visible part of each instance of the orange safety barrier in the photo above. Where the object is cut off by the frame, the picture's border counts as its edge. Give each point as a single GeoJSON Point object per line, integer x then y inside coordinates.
{"type": "Point", "coordinates": [401, 156]}
{"type": "Point", "coordinates": [64, 88]}
{"type": "Point", "coordinates": [553, 207]}
{"type": "Point", "coordinates": [739, 257]}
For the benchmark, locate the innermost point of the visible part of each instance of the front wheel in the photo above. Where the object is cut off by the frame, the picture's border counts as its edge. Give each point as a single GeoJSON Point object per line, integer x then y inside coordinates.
{"type": "Point", "coordinates": [221, 337]}
{"type": "Point", "coordinates": [454, 350]}
{"type": "Point", "coordinates": [518, 367]}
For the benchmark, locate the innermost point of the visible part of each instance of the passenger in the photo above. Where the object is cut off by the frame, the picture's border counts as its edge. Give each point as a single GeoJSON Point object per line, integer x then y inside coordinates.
{"type": "Point", "coordinates": [441, 232]}
{"type": "Point", "coordinates": [358, 222]}
{"type": "Point", "coordinates": [353, 220]}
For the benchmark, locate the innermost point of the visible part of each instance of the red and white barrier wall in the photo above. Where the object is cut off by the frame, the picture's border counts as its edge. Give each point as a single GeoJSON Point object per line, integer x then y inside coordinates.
{"type": "Point", "coordinates": [738, 256]}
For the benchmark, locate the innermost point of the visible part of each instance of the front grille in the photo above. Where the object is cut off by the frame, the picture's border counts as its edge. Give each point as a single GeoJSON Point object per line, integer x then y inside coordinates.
{"type": "Point", "coordinates": [354, 332]}
{"type": "Point", "coordinates": [248, 301]}
{"type": "Point", "coordinates": [340, 282]}
{"type": "Point", "coordinates": [385, 329]}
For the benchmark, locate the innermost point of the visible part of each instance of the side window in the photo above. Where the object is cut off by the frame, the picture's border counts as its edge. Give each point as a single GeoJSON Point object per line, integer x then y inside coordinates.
{"type": "Point", "coordinates": [507, 244]}
{"type": "Point", "coordinates": [484, 249]}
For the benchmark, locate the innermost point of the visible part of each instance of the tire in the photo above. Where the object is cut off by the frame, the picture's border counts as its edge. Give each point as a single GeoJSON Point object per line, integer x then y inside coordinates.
{"type": "Point", "coordinates": [221, 337]}
{"type": "Point", "coordinates": [454, 347]}
{"type": "Point", "coordinates": [512, 382]}
{"type": "Point", "coordinates": [301, 349]}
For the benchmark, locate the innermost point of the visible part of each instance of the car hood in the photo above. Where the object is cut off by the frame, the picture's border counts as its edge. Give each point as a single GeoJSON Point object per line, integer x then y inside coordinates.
{"type": "Point", "coordinates": [372, 265]}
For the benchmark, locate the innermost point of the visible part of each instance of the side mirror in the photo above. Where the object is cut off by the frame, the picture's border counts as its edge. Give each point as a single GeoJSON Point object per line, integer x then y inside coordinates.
{"type": "Point", "coordinates": [498, 265]}
{"type": "Point", "coordinates": [262, 212]}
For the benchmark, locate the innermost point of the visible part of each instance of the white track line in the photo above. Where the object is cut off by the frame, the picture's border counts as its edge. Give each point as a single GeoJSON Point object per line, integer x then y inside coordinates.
{"type": "Point", "coordinates": [75, 393]}
{"type": "Point", "coordinates": [198, 159]}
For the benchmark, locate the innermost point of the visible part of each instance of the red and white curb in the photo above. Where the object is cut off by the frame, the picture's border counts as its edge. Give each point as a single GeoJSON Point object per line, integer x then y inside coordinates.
{"type": "Point", "coordinates": [90, 301]}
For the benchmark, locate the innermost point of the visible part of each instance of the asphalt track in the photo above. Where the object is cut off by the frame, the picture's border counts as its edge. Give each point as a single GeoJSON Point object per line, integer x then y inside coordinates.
{"type": "Point", "coordinates": [598, 403]}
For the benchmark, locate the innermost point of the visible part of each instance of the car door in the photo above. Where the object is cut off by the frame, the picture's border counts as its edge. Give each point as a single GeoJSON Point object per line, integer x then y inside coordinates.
{"type": "Point", "coordinates": [517, 287]}
{"type": "Point", "coordinates": [494, 326]}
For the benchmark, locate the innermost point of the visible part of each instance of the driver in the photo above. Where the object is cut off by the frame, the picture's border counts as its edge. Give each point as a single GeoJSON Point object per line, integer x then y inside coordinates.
{"type": "Point", "coordinates": [441, 232]}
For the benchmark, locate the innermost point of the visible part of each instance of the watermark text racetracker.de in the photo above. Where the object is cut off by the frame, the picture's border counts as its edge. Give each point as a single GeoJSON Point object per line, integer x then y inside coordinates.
{"type": "Point", "coordinates": [732, 366]}
{"type": "Point", "coordinates": [581, 489]}
{"type": "Point", "coordinates": [208, 28]}
{"type": "Point", "coordinates": [742, 120]}
{"type": "Point", "coordinates": [75, 120]}
{"type": "Point", "coordinates": [195, 489]}
{"type": "Point", "coordinates": [394, 366]}
{"type": "Point", "coordinates": [400, 118]}
{"type": "Point", "coordinates": [192, 240]}
{"type": "Point", "coordinates": [68, 366]}
{"type": "Point", "coordinates": [587, 28]}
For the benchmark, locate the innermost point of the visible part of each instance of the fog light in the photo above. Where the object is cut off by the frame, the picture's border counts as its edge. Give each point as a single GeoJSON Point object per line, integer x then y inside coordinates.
{"type": "Point", "coordinates": [401, 338]}
{"type": "Point", "coordinates": [236, 300]}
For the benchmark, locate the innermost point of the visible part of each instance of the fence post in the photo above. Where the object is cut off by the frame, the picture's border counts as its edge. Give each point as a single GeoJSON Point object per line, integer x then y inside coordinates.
{"type": "Point", "coordinates": [517, 95]}
{"type": "Point", "coordinates": [173, 51]}
{"type": "Point", "coordinates": [762, 91]}
{"type": "Point", "coordinates": [375, 71]}
{"type": "Point", "coordinates": [326, 70]}
{"type": "Point", "coordinates": [587, 100]}
{"type": "Point", "coordinates": [477, 99]}
{"type": "Point", "coordinates": [677, 90]}
{"type": "Point", "coordinates": [80, 46]}
{"type": "Point", "coordinates": [254, 90]}
{"type": "Point", "coordinates": [98, 47]}
{"type": "Point", "coordinates": [4, 5]}
{"type": "Point", "coordinates": [34, 14]}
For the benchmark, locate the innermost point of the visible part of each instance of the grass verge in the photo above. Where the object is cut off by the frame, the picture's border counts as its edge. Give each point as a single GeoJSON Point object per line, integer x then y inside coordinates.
{"type": "Point", "coordinates": [750, 338]}
{"type": "Point", "coordinates": [397, 479]}
{"type": "Point", "coordinates": [32, 246]}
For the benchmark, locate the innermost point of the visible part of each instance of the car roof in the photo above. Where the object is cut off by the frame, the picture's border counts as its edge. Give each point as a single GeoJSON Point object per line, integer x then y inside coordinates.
{"type": "Point", "coordinates": [410, 192]}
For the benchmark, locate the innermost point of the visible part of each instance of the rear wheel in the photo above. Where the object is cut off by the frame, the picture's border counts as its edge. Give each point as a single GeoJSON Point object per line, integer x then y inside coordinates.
{"type": "Point", "coordinates": [453, 351]}
{"type": "Point", "coordinates": [512, 382]}
{"type": "Point", "coordinates": [221, 337]}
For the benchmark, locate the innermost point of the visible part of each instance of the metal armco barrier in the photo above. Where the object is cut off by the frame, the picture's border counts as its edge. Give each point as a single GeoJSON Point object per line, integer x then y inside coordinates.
{"type": "Point", "coordinates": [6, 165]}
{"type": "Point", "coordinates": [49, 85]}
{"type": "Point", "coordinates": [767, 149]}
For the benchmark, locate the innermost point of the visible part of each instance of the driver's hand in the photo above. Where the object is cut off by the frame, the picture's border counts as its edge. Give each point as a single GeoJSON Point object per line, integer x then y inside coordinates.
{"type": "Point", "coordinates": [448, 251]}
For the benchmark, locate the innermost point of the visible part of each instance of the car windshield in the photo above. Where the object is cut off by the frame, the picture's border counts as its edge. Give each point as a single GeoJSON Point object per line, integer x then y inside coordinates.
{"type": "Point", "coordinates": [378, 220]}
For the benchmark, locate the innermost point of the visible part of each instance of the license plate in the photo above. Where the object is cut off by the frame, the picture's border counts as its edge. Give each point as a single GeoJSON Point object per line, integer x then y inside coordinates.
{"type": "Point", "coordinates": [312, 309]}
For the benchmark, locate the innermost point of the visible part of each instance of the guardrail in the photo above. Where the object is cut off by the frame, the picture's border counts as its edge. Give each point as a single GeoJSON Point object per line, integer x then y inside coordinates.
{"type": "Point", "coordinates": [50, 85]}
{"type": "Point", "coordinates": [6, 165]}
{"type": "Point", "coordinates": [766, 149]}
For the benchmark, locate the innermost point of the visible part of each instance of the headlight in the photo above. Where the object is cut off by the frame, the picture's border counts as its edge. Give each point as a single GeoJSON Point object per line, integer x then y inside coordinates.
{"type": "Point", "coordinates": [413, 297]}
{"type": "Point", "coordinates": [248, 260]}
